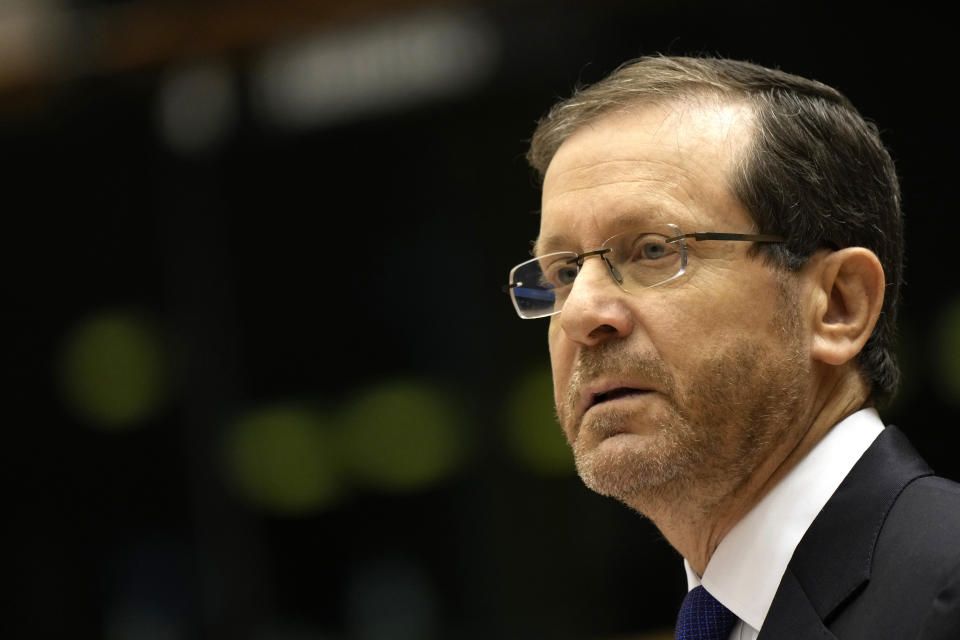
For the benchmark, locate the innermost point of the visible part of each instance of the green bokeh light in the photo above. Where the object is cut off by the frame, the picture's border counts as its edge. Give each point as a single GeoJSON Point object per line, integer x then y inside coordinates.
{"type": "Point", "coordinates": [402, 435]}
{"type": "Point", "coordinates": [947, 346]}
{"type": "Point", "coordinates": [533, 435]}
{"type": "Point", "coordinates": [281, 459]}
{"type": "Point", "coordinates": [113, 370]}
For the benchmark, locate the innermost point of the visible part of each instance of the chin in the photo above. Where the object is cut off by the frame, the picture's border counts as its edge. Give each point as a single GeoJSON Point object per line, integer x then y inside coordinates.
{"type": "Point", "coordinates": [632, 467]}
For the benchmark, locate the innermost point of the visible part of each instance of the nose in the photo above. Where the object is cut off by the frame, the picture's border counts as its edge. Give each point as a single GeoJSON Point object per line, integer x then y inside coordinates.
{"type": "Point", "coordinates": [596, 309]}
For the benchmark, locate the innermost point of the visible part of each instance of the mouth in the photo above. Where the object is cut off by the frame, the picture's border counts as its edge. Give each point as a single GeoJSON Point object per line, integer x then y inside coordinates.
{"type": "Point", "coordinates": [615, 394]}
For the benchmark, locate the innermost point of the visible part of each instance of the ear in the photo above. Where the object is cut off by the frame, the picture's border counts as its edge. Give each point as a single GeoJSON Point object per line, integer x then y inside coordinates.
{"type": "Point", "coordinates": [849, 294]}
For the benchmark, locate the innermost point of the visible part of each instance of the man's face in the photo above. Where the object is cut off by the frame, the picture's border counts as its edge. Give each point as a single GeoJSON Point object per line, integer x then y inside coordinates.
{"type": "Point", "coordinates": [687, 386]}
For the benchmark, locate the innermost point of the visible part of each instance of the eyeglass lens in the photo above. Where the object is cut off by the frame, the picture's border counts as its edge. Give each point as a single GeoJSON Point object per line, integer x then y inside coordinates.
{"type": "Point", "coordinates": [636, 260]}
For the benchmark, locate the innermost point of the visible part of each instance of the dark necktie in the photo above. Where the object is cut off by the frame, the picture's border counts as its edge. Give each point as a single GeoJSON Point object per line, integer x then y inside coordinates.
{"type": "Point", "coordinates": [702, 617]}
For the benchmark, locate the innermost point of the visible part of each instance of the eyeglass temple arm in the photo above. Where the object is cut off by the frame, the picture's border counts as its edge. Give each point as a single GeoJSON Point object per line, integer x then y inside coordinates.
{"type": "Point", "coordinates": [698, 235]}
{"type": "Point", "coordinates": [744, 237]}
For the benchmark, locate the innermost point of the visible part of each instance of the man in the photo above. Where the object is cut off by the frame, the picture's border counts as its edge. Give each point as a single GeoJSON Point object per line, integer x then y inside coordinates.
{"type": "Point", "coordinates": [719, 256]}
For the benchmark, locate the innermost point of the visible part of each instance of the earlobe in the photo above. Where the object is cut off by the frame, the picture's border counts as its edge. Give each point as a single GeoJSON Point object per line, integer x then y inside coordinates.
{"type": "Point", "coordinates": [850, 294]}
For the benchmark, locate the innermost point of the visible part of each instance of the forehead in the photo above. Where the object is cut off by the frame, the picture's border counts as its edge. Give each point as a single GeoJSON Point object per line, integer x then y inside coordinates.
{"type": "Point", "coordinates": [650, 165]}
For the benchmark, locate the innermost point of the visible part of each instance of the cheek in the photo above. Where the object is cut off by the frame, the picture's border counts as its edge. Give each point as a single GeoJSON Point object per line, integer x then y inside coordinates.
{"type": "Point", "coordinates": [561, 359]}
{"type": "Point", "coordinates": [685, 328]}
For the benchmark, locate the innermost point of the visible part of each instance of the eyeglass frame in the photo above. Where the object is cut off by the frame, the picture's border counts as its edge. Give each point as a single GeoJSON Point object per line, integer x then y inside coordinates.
{"type": "Point", "coordinates": [578, 259]}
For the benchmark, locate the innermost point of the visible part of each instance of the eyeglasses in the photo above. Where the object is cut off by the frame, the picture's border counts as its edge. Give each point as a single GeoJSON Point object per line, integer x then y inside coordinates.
{"type": "Point", "coordinates": [636, 260]}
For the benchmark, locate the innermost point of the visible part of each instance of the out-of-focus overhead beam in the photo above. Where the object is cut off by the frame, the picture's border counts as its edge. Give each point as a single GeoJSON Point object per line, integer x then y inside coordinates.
{"type": "Point", "coordinates": [43, 45]}
{"type": "Point", "coordinates": [152, 33]}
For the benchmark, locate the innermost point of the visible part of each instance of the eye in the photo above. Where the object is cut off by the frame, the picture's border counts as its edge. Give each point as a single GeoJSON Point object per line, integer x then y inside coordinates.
{"type": "Point", "coordinates": [566, 274]}
{"type": "Point", "coordinates": [651, 247]}
{"type": "Point", "coordinates": [560, 273]}
{"type": "Point", "coordinates": [652, 250]}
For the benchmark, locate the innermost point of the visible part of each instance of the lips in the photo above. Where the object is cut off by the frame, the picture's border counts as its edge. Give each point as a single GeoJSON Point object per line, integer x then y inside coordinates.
{"type": "Point", "coordinates": [602, 392]}
{"type": "Point", "coordinates": [613, 394]}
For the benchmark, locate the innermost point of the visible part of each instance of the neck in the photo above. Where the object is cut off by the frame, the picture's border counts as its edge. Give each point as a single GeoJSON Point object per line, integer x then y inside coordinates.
{"type": "Point", "coordinates": [694, 522]}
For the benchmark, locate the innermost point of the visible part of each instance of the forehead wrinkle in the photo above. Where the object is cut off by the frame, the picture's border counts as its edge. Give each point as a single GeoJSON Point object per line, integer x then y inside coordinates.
{"type": "Point", "coordinates": [640, 200]}
{"type": "Point", "coordinates": [677, 138]}
{"type": "Point", "coordinates": [573, 190]}
{"type": "Point", "coordinates": [591, 165]}
{"type": "Point", "coordinates": [678, 158]}
{"type": "Point", "coordinates": [630, 164]}
{"type": "Point", "coordinates": [680, 172]}
{"type": "Point", "coordinates": [679, 191]}
{"type": "Point", "coordinates": [681, 186]}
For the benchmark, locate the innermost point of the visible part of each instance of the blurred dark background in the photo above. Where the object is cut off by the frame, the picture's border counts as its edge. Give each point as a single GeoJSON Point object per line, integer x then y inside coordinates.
{"type": "Point", "coordinates": [262, 380]}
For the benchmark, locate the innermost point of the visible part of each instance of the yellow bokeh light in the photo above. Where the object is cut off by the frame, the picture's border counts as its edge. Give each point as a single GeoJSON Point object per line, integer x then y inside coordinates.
{"type": "Point", "coordinates": [402, 435]}
{"type": "Point", "coordinates": [281, 459]}
{"type": "Point", "coordinates": [532, 432]}
{"type": "Point", "coordinates": [113, 370]}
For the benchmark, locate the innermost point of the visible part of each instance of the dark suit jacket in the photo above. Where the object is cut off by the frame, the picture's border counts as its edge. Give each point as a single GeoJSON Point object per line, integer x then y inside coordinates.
{"type": "Point", "coordinates": [882, 559]}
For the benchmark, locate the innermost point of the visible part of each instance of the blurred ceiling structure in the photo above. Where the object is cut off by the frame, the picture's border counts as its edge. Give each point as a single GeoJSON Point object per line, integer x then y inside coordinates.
{"type": "Point", "coordinates": [45, 43]}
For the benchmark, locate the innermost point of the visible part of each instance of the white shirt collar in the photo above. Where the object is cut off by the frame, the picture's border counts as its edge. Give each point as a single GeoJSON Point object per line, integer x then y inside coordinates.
{"type": "Point", "coordinates": [748, 564]}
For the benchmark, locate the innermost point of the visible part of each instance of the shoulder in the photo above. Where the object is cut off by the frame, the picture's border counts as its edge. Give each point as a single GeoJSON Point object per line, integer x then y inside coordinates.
{"type": "Point", "coordinates": [882, 558]}
{"type": "Point", "coordinates": [914, 583]}
{"type": "Point", "coordinates": [927, 510]}
{"type": "Point", "coordinates": [919, 539]}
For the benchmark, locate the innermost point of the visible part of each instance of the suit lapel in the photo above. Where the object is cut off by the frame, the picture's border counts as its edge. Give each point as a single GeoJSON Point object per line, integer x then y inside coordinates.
{"type": "Point", "coordinates": [833, 560]}
{"type": "Point", "coordinates": [792, 615]}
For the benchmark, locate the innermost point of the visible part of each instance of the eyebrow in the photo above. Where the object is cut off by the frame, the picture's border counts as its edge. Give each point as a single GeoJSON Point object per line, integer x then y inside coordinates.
{"type": "Point", "coordinates": [550, 244]}
{"type": "Point", "coordinates": [625, 222]}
